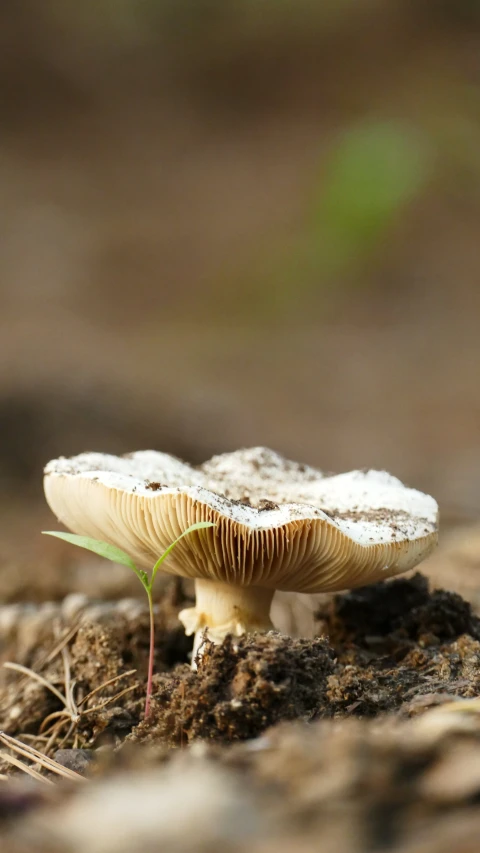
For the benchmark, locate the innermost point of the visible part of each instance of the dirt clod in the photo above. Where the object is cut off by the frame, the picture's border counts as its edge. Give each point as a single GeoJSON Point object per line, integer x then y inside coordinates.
{"type": "Point", "coordinates": [241, 688]}
{"type": "Point", "coordinates": [396, 642]}
{"type": "Point", "coordinates": [404, 608]}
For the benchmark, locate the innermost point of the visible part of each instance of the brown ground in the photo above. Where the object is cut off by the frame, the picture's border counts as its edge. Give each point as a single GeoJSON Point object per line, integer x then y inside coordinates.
{"type": "Point", "coordinates": [364, 753]}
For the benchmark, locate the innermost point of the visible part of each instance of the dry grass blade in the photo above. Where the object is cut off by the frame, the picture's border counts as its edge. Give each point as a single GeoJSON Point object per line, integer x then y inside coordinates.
{"type": "Point", "coordinates": [63, 641]}
{"type": "Point", "coordinates": [53, 735]}
{"type": "Point", "coordinates": [17, 667]}
{"type": "Point", "coordinates": [64, 715]}
{"type": "Point", "coordinates": [51, 727]}
{"type": "Point", "coordinates": [34, 738]}
{"type": "Point", "coordinates": [15, 762]}
{"type": "Point", "coordinates": [110, 700]}
{"type": "Point", "coordinates": [68, 635]}
{"type": "Point", "coordinates": [34, 755]}
{"type": "Point", "coordinates": [105, 684]}
{"type": "Point", "coordinates": [64, 740]}
{"type": "Point", "coordinates": [71, 706]}
{"type": "Point", "coordinates": [68, 680]}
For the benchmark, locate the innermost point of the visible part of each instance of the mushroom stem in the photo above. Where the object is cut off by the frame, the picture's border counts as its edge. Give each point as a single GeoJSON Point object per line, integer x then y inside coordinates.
{"type": "Point", "coordinates": [224, 609]}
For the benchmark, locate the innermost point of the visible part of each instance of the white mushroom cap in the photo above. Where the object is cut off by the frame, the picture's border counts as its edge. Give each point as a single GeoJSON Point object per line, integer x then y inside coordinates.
{"type": "Point", "coordinates": [279, 525]}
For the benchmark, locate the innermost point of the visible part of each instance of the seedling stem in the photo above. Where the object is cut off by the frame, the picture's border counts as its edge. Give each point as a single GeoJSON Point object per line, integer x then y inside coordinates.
{"type": "Point", "coordinates": [116, 555]}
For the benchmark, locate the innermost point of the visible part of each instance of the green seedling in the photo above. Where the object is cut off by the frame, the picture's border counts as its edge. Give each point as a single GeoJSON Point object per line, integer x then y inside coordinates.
{"type": "Point", "coordinates": [116, 555]}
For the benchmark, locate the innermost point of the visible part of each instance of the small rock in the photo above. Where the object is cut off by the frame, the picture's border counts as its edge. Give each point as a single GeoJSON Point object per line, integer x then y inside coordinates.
{"type": "Point", "coordinates": [77, 760]}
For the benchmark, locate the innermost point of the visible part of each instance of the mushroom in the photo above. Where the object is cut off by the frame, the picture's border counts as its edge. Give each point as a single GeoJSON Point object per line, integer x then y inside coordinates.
{"type": "Point", "coordinates": [279, 525]}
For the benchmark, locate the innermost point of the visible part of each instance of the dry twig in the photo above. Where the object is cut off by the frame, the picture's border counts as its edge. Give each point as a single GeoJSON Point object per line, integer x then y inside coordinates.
{"type": "Point", "coordinates": [32, 754]}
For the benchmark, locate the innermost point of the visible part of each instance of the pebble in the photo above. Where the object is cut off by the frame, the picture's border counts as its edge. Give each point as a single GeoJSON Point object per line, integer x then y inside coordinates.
{"type": "Point", "coordinates": [77, 760]}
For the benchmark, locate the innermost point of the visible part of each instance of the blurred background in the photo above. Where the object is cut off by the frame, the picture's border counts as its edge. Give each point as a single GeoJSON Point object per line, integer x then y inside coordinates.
{"type": "Point", "coordinates": [227, 223]}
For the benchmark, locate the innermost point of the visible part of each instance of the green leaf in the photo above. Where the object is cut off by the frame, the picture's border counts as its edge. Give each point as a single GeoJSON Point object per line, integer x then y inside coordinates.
{"type": "Point", "coordinates": [103, 549]}
{"type": "Point", "coordinates": [200, 525]}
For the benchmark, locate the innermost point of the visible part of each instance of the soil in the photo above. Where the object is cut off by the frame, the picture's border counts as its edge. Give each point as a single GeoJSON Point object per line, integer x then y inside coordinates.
{"type": "Point", "coordinates": [360, 739]}
{"type": "Point", "coordinates": [241, 688]}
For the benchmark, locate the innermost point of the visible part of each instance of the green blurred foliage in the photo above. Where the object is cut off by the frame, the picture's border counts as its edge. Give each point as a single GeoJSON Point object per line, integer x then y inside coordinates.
{"type": "Point", "coordinates": [376, 170]}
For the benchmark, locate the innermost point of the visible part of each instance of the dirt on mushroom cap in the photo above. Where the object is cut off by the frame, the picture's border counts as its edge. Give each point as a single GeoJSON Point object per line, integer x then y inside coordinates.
{"type": "Point", "coordinates": [300, 530]}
